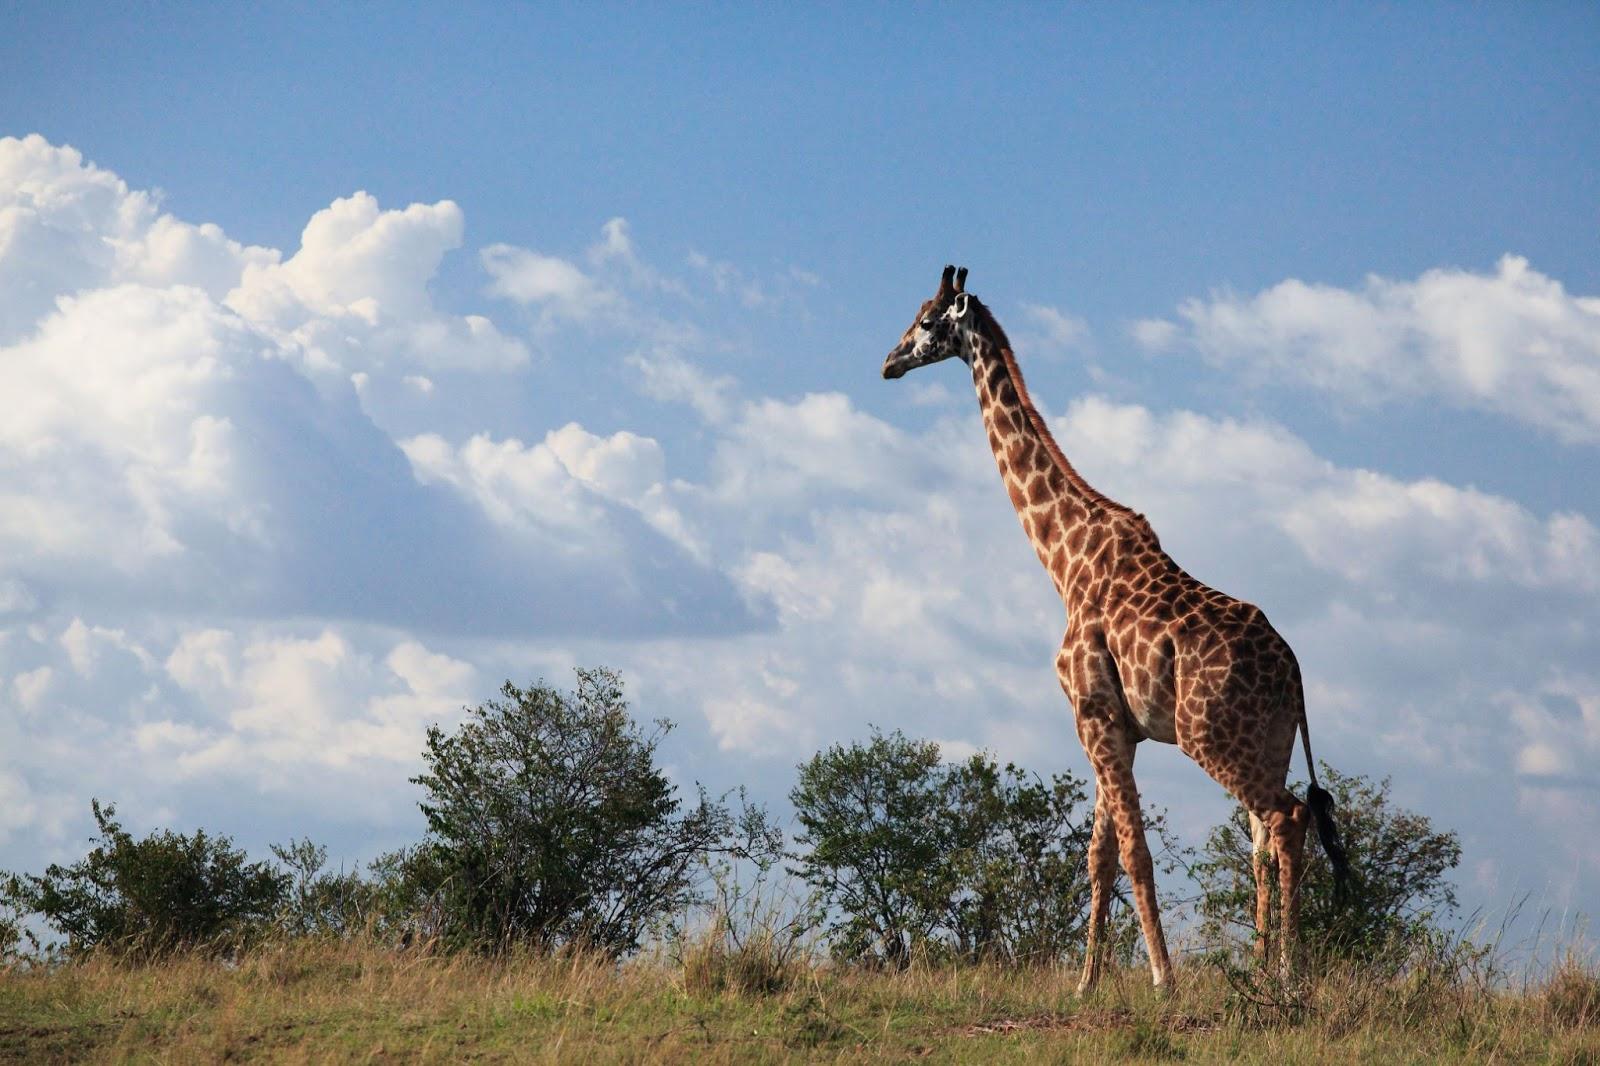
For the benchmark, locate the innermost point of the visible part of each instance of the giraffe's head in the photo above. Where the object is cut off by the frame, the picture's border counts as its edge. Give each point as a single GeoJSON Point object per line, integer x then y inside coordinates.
{"type": "Point", "coordinates": [937, 331]}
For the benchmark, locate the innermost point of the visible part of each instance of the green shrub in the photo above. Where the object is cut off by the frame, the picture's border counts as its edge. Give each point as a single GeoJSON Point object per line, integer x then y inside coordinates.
{"type": "Point", "coordinates": [914, 856]}
{"type": "Point", "coordinates": [149, 897]}
{"type": "Point", "coordinates": [17, 941]}
{"type": "Point", "coordinates": [549, 824]}
{"type": "Point", "coordinates": [320, 902]}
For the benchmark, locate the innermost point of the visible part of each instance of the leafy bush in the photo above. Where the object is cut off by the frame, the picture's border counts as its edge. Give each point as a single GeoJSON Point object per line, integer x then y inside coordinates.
{"type": "Point", "coordinates": [1019, 861]}
{"type": "Point", "coordinates": [913, 855]}
{"type": "Point", "coordinates": [1399, 864]}
{"type": "Point", "coordinates": [17, 941]}
{"type": "Point", "coordinates": [550, 824]}
{"type": "Point", "coordinates": [406, 901]}
{"type": "Point", "coordinates": [319, 902]}
{"type": "Point", "coordinates": [878, 824]}
{"type": "Point", "coordinates": [153, 896]}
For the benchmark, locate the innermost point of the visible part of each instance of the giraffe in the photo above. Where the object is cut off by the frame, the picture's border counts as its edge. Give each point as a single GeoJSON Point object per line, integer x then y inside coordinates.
{"type": "Point", "coordinates": [1149, 652]}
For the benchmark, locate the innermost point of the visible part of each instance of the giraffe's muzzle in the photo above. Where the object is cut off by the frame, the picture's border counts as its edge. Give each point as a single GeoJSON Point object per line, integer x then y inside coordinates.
{"type": "Point", "coordinates": [896, 365]}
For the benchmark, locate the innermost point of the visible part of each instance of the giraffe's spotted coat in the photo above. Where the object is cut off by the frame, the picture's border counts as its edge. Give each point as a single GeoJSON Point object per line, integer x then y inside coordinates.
{"type": "Point", "coordinates": [1149, 651]}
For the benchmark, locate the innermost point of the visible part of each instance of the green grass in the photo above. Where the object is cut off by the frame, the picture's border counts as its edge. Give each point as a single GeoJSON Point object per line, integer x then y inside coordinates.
{"type": "Point", "coordinates": [319, 1002]}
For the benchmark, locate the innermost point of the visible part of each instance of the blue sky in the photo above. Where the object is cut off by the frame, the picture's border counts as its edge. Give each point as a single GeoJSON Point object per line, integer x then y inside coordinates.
{"type": "Point", "coordinates": [588, 372]}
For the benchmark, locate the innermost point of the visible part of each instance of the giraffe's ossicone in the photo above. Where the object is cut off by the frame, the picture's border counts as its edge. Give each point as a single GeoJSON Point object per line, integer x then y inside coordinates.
{"type": "Point", "coordinates": [1149, 653]}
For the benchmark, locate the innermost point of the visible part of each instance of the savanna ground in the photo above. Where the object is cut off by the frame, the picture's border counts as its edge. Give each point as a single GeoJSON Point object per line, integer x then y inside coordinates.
{"type": "Point", "coordinates": [309, 1001]}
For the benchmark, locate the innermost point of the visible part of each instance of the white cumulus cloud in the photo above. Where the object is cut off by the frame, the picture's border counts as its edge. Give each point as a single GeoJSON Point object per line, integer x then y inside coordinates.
{"type": "Point", "coordinates": [1513, 342]}
{"type": "Point", "coordinates": [67, 225]}
{"type": "Point", "coordinates": [355, 296]}
{"type": "Point", "coordinates": [562, 489]}
{"type": "Point", "coordinates": [182, 430]}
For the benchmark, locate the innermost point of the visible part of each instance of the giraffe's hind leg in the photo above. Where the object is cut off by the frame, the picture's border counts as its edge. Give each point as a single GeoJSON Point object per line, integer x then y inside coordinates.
{"type": "Point", "coordinates": [1243, 737]}
{"type": "Point", "coordinates": [1261, 863]}
{"type": "Point", "coordinates": [1286, 823]}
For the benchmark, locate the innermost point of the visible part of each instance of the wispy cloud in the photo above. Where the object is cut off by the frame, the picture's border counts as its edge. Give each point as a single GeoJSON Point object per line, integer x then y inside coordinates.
{"type": "Point", "coordinates": [1056, 330]}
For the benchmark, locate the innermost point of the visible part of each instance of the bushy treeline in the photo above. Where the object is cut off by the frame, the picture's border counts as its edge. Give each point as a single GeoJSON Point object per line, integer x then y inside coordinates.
{"type": "Point", "coordinates": [912, 856]}
{"type": "Point", "coordinates": [551, 825]}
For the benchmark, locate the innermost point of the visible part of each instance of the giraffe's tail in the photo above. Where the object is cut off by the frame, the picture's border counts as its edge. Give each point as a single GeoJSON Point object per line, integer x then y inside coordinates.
{"type": "Point", "coordinates": [1321, 803]}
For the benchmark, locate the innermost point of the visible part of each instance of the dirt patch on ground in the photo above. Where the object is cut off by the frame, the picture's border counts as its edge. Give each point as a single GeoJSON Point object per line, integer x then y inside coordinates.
{"type": "Point", "coordinates": [52, 1043]}
{"type": "Point", "coordinates": [1091, 1022]}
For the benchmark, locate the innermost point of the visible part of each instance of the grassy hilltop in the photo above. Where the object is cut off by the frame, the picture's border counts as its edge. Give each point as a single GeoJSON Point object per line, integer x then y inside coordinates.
{"type": "Point", "coordinates": [354, 1001]}
{"type": "Point", "coordinates": [933, 890]}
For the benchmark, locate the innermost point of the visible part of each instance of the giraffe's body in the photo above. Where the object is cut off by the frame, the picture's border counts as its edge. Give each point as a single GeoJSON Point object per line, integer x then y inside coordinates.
{"type": "Point", "coordinates": [1149, 651]}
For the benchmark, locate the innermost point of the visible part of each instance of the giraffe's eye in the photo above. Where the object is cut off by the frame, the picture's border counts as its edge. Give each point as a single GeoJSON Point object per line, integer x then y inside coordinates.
{"type": "Point", "coordinates": [927, 323]}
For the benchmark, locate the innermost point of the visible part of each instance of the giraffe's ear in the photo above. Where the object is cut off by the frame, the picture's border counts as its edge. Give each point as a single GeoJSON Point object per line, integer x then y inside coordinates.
{"type": "Point", "coordinates": [962, 304]}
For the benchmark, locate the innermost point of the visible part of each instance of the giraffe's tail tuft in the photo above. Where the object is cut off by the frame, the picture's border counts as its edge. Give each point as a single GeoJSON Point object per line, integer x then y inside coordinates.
{"type": "Point", "coordinates": [1321, 804]}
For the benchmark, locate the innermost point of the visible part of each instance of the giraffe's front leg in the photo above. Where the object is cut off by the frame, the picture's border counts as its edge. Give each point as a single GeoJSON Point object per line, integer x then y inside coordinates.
{"type": "Point", "coordinates": [1102, 863]}
{"type": "Point", "coordinates": [1141, 870]}
{"type": "Point", "coordinates": [1102, 726]}
{"type": "Point", "coordinates": [1076, 668]}
{"type": "Point", "coordinates": [1092, 683]}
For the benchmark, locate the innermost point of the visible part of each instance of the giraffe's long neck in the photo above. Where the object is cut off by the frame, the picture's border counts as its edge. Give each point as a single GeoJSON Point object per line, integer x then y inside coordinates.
{"type": "Point", "coordinates": [1056, 506]}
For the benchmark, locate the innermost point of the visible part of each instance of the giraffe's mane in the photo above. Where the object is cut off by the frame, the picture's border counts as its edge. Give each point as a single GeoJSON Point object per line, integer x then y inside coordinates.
{"type": "Point", "coordinates": [998, 336]}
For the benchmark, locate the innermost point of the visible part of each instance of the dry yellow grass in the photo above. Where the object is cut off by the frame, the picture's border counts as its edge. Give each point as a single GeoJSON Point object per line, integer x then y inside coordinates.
{"type": "Point", "coordinates": [321, 1002]}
